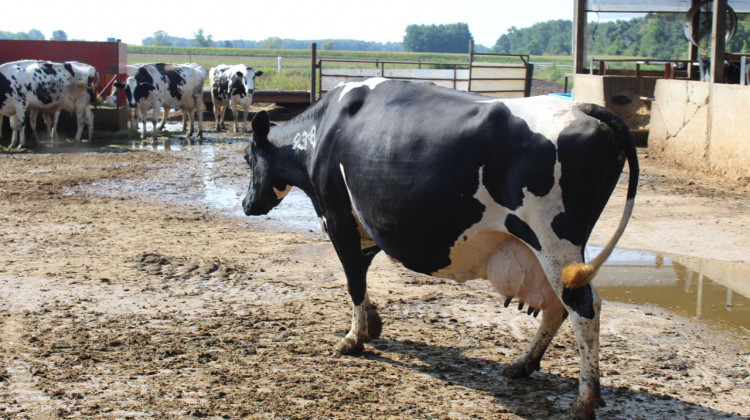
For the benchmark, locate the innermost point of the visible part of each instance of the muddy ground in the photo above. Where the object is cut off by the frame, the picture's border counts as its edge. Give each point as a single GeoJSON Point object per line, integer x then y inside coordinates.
{"type": "Point", "coordinates": [125, 294]}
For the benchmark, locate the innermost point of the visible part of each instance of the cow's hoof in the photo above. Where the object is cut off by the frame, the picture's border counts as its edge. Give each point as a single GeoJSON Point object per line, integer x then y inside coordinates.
{"type": "Point", "coordinates": [349, 345]}
{"type": "Point", "coordinates": [519, 369]}
{"type": "Point", "coordinates": [374, 325]}
{"type": "Point", "coordinates": [583, 410]}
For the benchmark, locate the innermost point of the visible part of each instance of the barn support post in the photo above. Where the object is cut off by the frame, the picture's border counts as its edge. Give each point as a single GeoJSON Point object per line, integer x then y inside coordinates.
{"type": "Point", "coordinates": [313, 59]}
{"type": "Point", "coordinates": [579, 36]}
{"type": "Point", "coordinates": [718, 44]}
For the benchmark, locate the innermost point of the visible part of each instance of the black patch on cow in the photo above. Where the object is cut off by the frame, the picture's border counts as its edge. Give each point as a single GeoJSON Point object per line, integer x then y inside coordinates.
{"type": "Point", "coordinates": [522, 231]}
{"type": "Point", "coordinates": [143, 76]}
{"type": "Point", "coordinates": [5, 89]}
{"type": "Point", "coordinates": [43, 93]}
{"type": "Point", "coordinates": [590, 156]}
{"type": "Point", "coordinates": [142, 91]}
{"type": "Point", "coordinates": [48, 69]}
{"type": "Point", "coordinates": [69, 68]}
{"type": "Point", "coordinates": [520, 158]}
{"type": "Point", "coordinates": [173, 78]}
{"type": "Point", "coordinates": [220, 87]}
{"type": "Point", "coordinates": [581, 300]}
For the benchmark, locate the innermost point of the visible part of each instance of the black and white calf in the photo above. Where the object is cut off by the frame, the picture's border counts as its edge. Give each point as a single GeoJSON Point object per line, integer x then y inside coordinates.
{"type": "Point", "coordinates": [458, 186]}
{"type": "Point", "coordinates": [49, 87]}
{"type": "Point", "coordinates": [232, 87]}
{"type": "Point", "coordinates": [160, 85]}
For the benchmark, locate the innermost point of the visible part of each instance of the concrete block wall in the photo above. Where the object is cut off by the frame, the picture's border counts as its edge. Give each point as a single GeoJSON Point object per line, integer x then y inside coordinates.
{"type": "Point", "coordinates": [702, 126]}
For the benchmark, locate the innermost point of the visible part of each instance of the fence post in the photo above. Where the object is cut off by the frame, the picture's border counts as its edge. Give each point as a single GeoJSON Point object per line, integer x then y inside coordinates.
{"type": "Point", "coordinates": [471, 62]}
{"type": "Point", "coordinates": [313, 59]}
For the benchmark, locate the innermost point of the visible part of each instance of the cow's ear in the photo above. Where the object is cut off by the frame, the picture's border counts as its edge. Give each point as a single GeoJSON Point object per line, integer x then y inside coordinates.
{"type": "Point", "coordinates": [258, 73]}
{"type": "Point", "coordinates": [261, 126]}
{"type": "Point", "coordinates": [239, 74]}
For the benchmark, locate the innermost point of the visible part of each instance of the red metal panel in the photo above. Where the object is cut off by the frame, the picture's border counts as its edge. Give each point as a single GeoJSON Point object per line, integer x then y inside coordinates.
{"type": "Point", "coordinates": [108, 57]}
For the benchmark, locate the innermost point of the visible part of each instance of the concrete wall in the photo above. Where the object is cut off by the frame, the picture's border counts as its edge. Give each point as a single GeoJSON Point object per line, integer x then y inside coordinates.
{"type": "Point", "coordinates": [702, 126]}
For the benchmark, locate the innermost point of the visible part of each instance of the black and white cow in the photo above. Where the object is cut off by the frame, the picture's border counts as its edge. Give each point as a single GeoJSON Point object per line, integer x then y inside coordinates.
{"type": "Point", "coordinates": [45, 86]}
{"type": "Point", "coordinates": [232, 87]}
{"type": "Point", "coordinates": [459, 186]}
{"type": "Point", "coordinates": [158, 85]}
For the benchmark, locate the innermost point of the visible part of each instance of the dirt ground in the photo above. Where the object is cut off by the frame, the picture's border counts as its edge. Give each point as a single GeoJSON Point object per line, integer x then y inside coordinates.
{"type": "Point", "coordinates": [124, 294]}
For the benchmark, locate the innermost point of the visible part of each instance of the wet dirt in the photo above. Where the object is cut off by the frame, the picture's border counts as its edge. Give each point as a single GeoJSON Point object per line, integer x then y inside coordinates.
{"type": "Point", "coordinates": [126, 292]}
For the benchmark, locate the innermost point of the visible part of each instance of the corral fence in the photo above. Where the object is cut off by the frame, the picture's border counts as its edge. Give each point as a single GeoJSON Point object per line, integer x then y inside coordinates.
{"type": "Point", "coordinates": [499, 75]}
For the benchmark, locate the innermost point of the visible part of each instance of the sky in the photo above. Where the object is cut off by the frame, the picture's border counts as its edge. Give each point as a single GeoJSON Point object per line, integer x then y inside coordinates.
{"type": "Point", "coordinates": [382, 21]}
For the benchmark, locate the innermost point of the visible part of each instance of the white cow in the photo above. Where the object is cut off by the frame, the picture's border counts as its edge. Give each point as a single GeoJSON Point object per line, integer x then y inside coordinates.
{"type": "Point", "coordinates": [45, 86]}
{"type": "Point", "coordinates": [233, 87]}
{"type": "Point", "coordinates": [159, 85]}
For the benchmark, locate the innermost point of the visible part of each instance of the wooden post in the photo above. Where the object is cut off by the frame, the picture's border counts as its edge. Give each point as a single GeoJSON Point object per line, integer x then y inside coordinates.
{"type": "Point", "coordinates": [313, 80]}
{"type": "Point", "coordinates": [579, 36]}
{"type": "Point", "coordinates": [719, 26]}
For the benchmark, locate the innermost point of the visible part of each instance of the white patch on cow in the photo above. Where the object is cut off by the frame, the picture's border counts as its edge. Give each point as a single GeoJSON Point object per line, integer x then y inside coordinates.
{"type": "Point", "coordinates": [366, 240]}
{"type": "Point", "coordinates": [305, 138]}
{"type": "Point", "coordinates": [370, 83]}
{"type": "Point", "coordinates": [545, 115]}
{"type": "Point", "coordinates": [280, 194]}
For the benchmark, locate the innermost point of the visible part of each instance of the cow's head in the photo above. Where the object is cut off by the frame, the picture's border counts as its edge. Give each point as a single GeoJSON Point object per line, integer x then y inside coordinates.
{"type": "Point", "coordinates": [249, 77]}
{"type": "Point", "coordinates": [266, 188]}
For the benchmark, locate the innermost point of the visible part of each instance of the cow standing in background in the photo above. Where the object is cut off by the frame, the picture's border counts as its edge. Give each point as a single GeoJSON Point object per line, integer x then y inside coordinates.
{"type": "Point", "coordinates": [459, 186]}
{"type": "Point", "coordinates": [46, 86]}
{"type": "Point", "coordinates": [233, 87]}
{"type": "Point", "coordinates": [160, 85]}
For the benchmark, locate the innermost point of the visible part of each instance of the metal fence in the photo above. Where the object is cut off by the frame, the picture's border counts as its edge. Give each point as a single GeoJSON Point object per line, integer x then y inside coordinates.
{"type": "Point", "coordinates": [481, 73]}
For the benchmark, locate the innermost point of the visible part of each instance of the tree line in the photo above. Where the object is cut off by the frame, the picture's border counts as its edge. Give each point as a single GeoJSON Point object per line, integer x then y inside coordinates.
{"type": "Point", "coordinates": [657, 35]}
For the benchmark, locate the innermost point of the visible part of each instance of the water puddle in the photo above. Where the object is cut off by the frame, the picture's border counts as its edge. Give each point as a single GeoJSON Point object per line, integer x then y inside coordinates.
{"type": "Point", "coordinates": [716, 293]}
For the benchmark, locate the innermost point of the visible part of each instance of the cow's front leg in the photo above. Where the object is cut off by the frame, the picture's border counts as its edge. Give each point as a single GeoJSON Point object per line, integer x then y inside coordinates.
{"type": "Point", "coordinates": [244, 119]}
{"type": "Point", "coordinates": [199, 113]}
{"type": "Point", "coordinates": [529, 360]}
{"type": "Point", "coordinates": [235, 117]}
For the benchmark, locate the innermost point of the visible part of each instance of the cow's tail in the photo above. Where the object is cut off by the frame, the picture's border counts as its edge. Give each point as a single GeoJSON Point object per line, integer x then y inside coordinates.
{"type": "Point", "coordinates": [578, 274]}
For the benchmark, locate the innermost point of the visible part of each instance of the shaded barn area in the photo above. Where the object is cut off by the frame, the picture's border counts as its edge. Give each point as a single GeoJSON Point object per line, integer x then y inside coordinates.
{"type": "Point", "coordinates": [687, 112]}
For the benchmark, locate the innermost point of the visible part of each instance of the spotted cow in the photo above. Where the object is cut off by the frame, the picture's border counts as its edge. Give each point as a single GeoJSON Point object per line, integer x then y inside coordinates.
{"type": "Point", "coordinates": [459, 186]}
{"type": "Point", "coordinates": [232, 87]}
{"type": "Point", "coordinates": [47, 87]}
{"type": "Point", "coordinates": [158, 85]}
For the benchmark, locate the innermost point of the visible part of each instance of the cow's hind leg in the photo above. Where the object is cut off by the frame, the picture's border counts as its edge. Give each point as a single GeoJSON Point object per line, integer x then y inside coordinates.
{"type": "Point", "coordinates": [529, 360]}
{"type": "Point", "coordinates": [584, 306]}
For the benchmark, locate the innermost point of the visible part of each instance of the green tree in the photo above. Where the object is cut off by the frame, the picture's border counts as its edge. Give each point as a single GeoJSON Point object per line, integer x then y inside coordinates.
{"type": "Point", "coordinates": [271, 43]}
{"type": "Point", "coordinates": [160, 39]}
{"type": "Point", "coordinates": [201, 40]}
{"type": "Point", "coordinates": [451, 38]}
{"type": "Point", "coordinates": [59, 36]}
{"type": "Point", "coordinates": [328, 45]}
